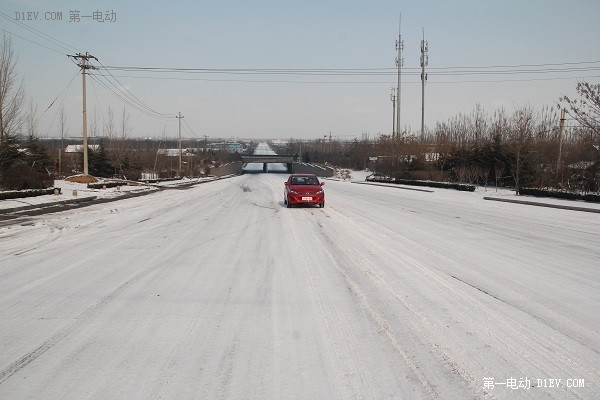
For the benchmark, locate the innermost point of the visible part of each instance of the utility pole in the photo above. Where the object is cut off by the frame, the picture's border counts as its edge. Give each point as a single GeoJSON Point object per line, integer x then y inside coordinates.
{"type": "Point", "coordinates": [424, 63]}
{"type": "Point", "coordinates": [179, 117]}
{"type": "Point", "coordinates": [399, 65]}
{"type": "Point", "coordinates": [84, 58]}
{"type": "Point", "coordinates": [393, 98]}
{"type": "Point", "coordinates": [560, 140]}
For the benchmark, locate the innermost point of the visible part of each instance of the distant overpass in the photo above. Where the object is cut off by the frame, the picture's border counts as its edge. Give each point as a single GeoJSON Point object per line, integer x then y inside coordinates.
{"type": "Point", "coordinates": [291, 166]}
{"type": "Point", "coordinates": [268, 159]}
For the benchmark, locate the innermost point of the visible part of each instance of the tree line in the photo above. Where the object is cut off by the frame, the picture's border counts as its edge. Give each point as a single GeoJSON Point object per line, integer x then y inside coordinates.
{"type": "Point", "coordinates": [524, 147]}
{"type": "Point", "coordinates": [26, 162]}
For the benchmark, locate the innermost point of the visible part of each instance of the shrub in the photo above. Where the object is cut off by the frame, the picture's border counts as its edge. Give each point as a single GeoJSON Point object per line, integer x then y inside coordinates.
{"type": "Point", "coordinates": [442, 185]}
{"type": "Point", "coordinates": [19, 194]}
{"type": "Point", "coordinates": [21, 176]}
{"type": "Point", "coordinates": [591, 197]}
{"type": "Point", "coordinates": [104, 185]}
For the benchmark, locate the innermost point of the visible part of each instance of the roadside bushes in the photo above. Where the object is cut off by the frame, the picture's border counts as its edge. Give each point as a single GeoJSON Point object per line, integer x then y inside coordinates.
{"type": "Point", "coordinates": [24, 167]}
{"type": "Point", "coordinates": [105, 185]}
{"type": "Point", "coordinates": [442, 185]}
{"type": "Point", "coordinates": [19, 194]}
{"type": "Point", "coordinates": [23, 176]}
{"type": "Point", "coordinates": [591, 197]}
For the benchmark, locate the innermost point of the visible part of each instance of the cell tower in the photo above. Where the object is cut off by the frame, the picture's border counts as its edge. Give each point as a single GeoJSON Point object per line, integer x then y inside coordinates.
{"type": "Point", "coordinates": [424, 63]}
{"type": "Point", "coordinates": [399, 65]}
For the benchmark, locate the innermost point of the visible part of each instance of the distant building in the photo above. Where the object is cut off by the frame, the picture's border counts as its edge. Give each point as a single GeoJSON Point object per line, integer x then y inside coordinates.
{"type": "Point", "coordinates": [175, 152]}
{"type": "Point", "coordinates": [169, 152]}
{"type": "Point", "coordinates": [78, 148]}
{"type": "Point", "coordinates": [73, 158]}
{"type": "Point", "coordinates": [149, 176]}
{"type": "Point", "coordinates": [234, 147]}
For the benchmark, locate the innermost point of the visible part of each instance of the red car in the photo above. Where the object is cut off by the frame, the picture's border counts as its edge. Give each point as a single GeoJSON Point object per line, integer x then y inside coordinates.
{"type": "Point", "coordinates": [303, 189]}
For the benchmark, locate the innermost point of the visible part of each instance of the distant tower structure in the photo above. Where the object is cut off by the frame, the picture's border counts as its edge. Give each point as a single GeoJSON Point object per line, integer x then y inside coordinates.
{"type": "Point", "coordinates": [399, 65]}
{"type": "Point", "coordinates": [424, 63]}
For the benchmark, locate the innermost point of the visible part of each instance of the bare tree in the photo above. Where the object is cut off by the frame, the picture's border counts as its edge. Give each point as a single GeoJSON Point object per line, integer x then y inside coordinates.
{"type": "Point", "coordinates": [31, 119]}
{"type": "Point", "coordinates": [125, 128]}
{"type": "Point", "coordinates": [62, 123]}
{"type": "Point", "coordinates": [119, 155]}
{"type": "Point", "coordinates": [520, 138]}
{"type": "Point", "coordinates": [499, 125]}
{"type": "Point", "coordinates": [498, 172]}
{"type": "Point", "coordinates": [12, 92]}
{"type": "Point", "coordinates": [94, 131]}
{"type": "Point", "coordinates": [479, 125]}
{"type": "Point", "coordinates": [586, 109]}
{"type": "Point", "coordinates": [109, 128]}
{"type": "Point", "coordinates": [462, 173]}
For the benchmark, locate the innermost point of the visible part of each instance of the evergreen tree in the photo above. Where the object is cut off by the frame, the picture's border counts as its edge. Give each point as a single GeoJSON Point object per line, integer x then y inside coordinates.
{"type": "Point", "coordinates": [9, 154]}
{"type": "Point", "coordinates": [36, 155]}
{"type": "Point", "coordinates": [98, 163]}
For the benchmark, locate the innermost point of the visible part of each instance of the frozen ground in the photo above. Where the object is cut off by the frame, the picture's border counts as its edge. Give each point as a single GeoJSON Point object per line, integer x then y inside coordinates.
{"type": "Point", "coordinates": [220, 292]}
{"type": "Point", "coordinates": [77, 191]}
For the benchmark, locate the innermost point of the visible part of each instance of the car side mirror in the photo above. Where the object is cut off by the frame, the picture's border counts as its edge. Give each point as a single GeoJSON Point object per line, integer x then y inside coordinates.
{"type": "Point", "coordinates": [322, 183]}
{"type": "Point", "coordinates": [286, 183]}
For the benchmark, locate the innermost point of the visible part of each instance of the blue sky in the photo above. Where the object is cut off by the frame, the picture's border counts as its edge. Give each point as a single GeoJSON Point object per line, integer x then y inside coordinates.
{"type": "Point", "coordinates": [299, 35]}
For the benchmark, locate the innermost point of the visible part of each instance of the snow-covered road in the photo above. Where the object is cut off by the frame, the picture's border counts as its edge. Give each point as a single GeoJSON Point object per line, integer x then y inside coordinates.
{"type": "Point", "coordinates": [220, 292]}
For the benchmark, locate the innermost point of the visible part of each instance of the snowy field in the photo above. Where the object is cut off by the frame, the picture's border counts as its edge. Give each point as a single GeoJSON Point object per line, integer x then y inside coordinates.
{"type": "Point", "coordinates": [72, 191]}
{"type": "Point", "coordinates": [220, 292]}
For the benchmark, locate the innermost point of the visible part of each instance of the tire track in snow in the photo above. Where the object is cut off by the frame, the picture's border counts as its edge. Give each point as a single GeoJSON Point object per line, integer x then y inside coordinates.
{"type": "Point", "coordinates": [327, 309]}
{"type": "Point", "coordinates": [400, 340]}
{"type": "Point", "coordinates": [381, 323]}
{"type": "Point", "coordinates": [557, 357]}
{"type": "Point", "coordinates": [19, 364]}
{"type": "Point", "coordinates": [515, 305]}
{"type": "Point", "coordinates": [43, 234]}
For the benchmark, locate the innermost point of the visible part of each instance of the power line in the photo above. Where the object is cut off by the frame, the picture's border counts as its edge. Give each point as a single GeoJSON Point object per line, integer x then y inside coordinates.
{"type": "Point", "coordinates": [464, 70]}
{"type": "Point", "coordinates": [189, 129]}
{"type": "Point", "coordinates": [61, 92]}
{"type": "Point", "coordinates": [518, 80]}
{"type": "Point", "coordinates": [65, 91]}
{"type": "Point", "coordinates": [32, 41]}
{"type": "Point", "coordinates": [515, 71]}
{"type": "Point", "coordinates": [42, 35]}
{"type": "Point", "coordinates": [348, 82]}
{"type": "Point", "coordinates": [127, 101]}
{"type": "Point", "coordinates": [98, 104]}
{"type": "Point", "coordinates": [132, 96]}
{"type": "Point", "coordinates": [126, 96]}
{"type": "Point", "coordinates": [56, 42]}
{"type": "Point", "coordinates": [521, 65]}
{"type": "Point", "coordinates": [253, 70]}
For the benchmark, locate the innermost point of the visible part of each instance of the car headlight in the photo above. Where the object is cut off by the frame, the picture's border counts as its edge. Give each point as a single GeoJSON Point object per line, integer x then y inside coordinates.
{"type": "Point", "coordinates": [320, 192]}
{"type": "Point", "coordinates": [293, 192]}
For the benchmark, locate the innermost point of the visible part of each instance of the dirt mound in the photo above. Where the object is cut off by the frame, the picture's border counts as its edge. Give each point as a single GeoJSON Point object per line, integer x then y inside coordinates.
{"type": "Point", "coordinates": [81, 179]}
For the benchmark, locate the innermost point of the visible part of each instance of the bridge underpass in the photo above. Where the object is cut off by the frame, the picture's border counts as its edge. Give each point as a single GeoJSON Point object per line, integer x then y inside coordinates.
{"type": "Point", "coordinates": [268, 159]}
{"type": "Point", "coordinates": [292, 166]}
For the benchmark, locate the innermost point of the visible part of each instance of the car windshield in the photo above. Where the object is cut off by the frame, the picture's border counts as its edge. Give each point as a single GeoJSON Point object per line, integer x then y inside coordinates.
{"type": "Point", "coordinates": [304, 180]}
